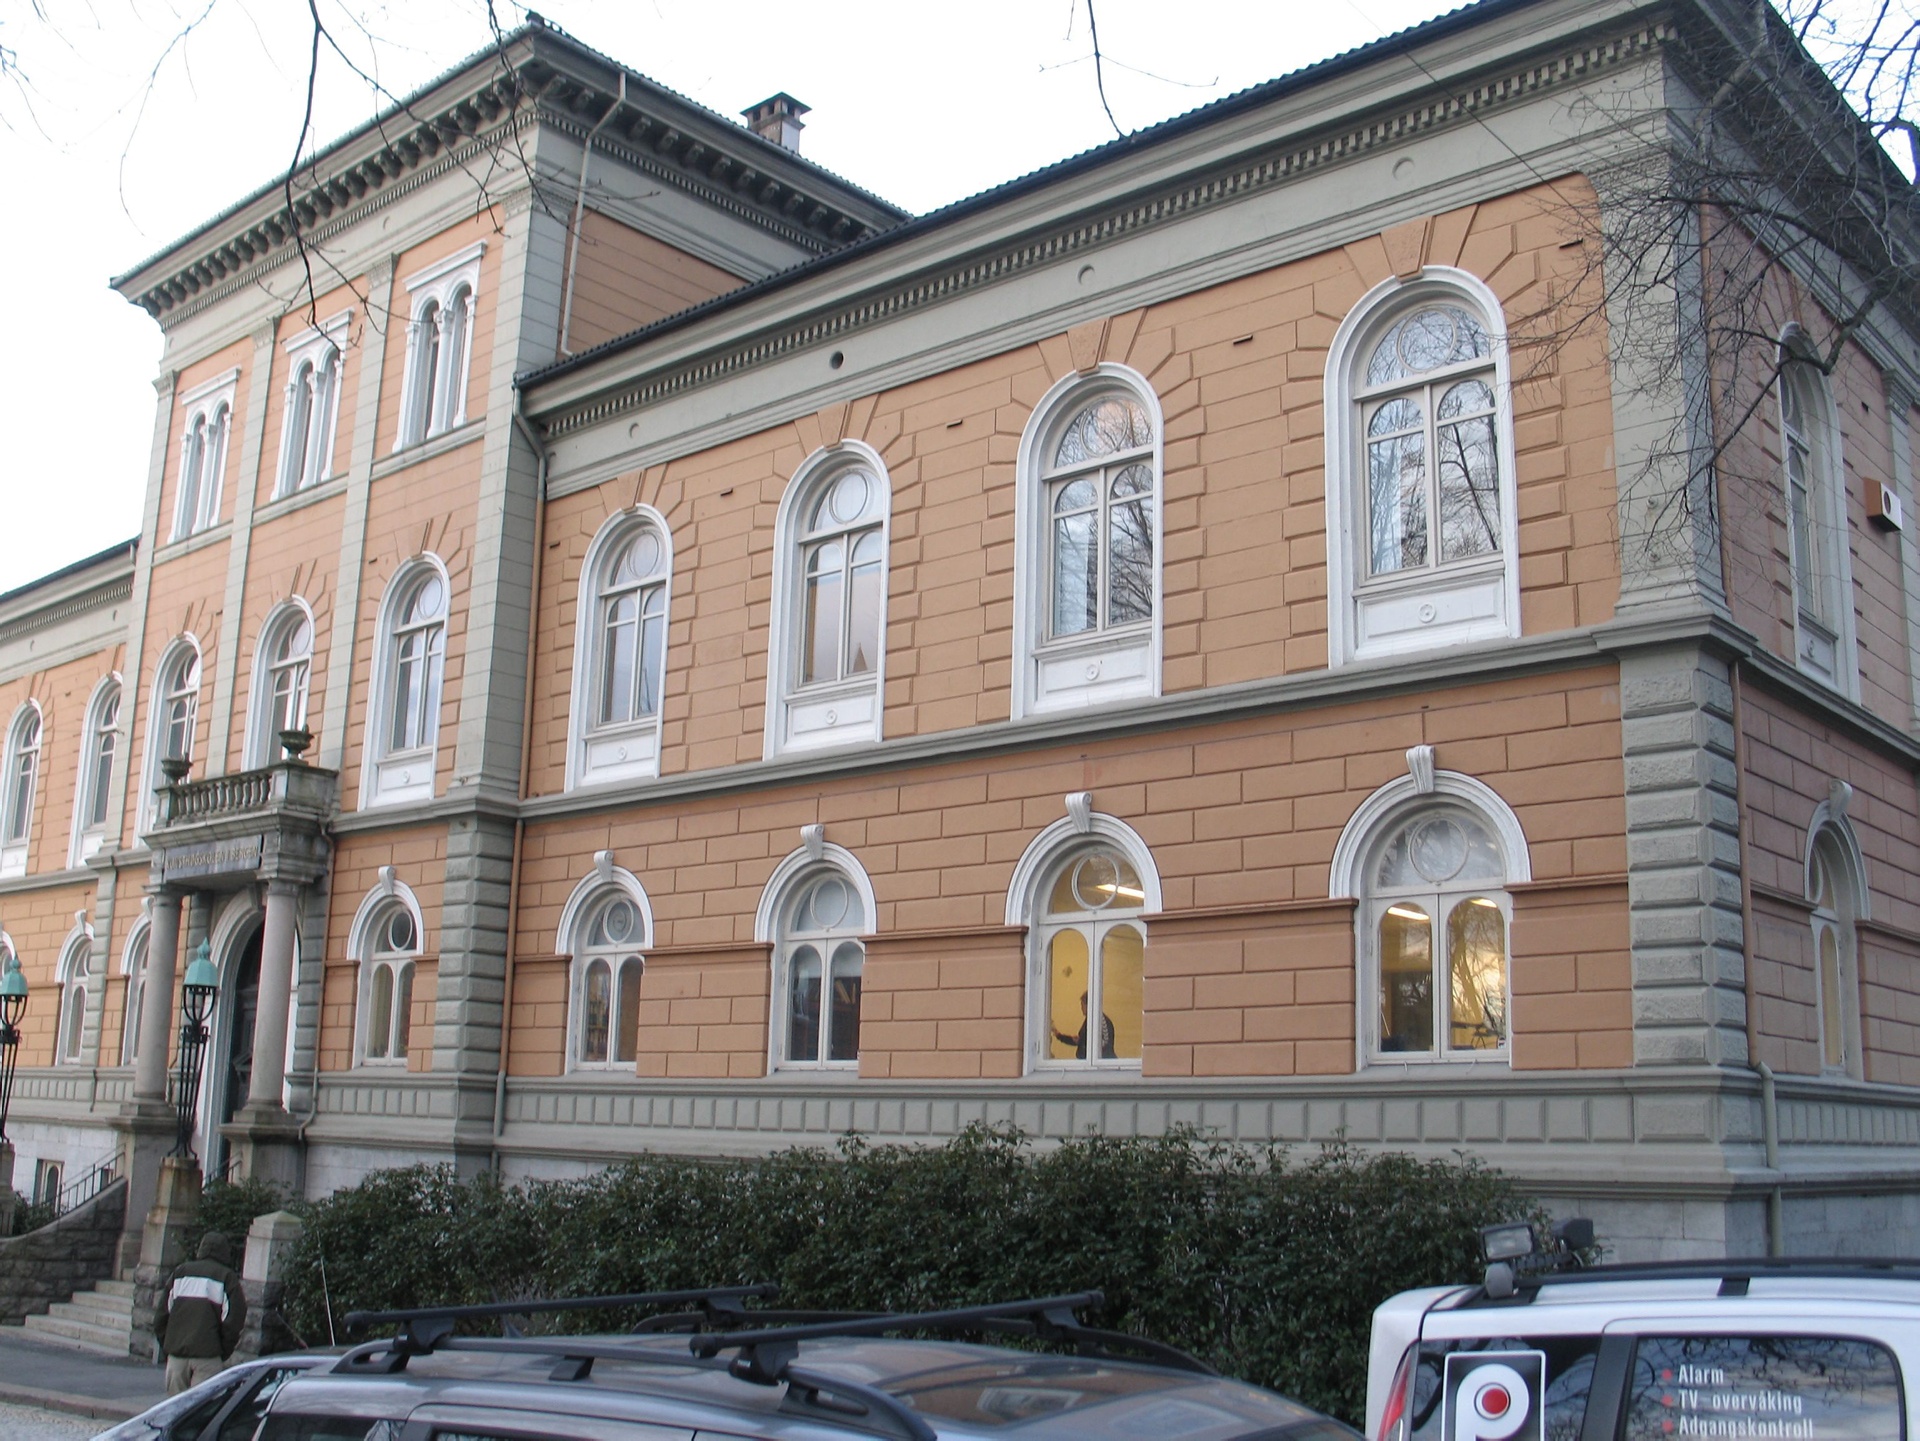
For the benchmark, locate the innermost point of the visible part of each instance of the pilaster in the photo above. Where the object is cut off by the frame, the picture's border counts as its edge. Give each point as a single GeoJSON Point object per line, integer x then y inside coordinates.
{"type": "Point", "coordinates": [1683, 858]}
{"type": "Point", "coordinates": [470, 990]}
{"type": "Point", "coordinates": [239, 548]}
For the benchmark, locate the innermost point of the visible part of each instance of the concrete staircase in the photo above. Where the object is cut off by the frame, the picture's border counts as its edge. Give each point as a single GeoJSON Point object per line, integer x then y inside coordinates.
{"type": "Point", "coordinates": [100, 1320]}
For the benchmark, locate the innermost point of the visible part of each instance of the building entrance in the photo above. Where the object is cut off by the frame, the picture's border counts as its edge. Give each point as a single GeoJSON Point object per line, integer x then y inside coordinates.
{"type": "Point", "coordinates": [235, 1072]}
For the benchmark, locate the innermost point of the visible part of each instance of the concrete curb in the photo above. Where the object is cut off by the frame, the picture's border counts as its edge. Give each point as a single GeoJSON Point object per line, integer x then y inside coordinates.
{"type": "Point", "coordinates": [66, 1401]}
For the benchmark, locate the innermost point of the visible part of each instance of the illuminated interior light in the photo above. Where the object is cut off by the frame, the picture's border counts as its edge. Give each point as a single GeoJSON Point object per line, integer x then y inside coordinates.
{"type": "Point", "coordinates": [1483, 901]}
{"type": "Point", "coordinates": [1406, 913]}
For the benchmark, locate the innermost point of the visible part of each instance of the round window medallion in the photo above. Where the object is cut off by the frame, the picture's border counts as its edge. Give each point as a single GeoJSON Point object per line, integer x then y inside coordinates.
{"type": "Point", "coordinates": [1096, 882]}
{"type": "Point", "coordinates": [1438, 848]}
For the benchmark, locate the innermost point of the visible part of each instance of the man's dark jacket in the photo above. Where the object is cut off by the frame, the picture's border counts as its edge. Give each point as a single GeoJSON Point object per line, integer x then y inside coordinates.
{"type": "Point", "coordinates": [204, 1306]}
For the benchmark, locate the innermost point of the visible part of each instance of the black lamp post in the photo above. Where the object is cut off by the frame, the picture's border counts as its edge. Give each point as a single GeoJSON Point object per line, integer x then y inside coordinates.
{"type": "Point", "coordinates": [196, 1004]}
{"type": "Point", "coordinates": [13, 1005]}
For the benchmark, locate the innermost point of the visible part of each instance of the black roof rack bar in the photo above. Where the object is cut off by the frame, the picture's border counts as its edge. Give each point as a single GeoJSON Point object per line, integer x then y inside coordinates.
{"type": "Point", "coordinates": [1819, 1268]}
{"type": "Point", "coordinates": [711, 1342]}
{"type": "Point", "coordinates": [871, 1398]}
{"type": "Point", "coordinates": [718, 1296]}
{"type": "Point", "coordinates": [1093, 1341]}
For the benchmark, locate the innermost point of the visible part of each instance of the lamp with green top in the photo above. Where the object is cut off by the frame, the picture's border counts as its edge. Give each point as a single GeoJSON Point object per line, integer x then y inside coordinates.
{"type": "Point", "coordinates": [202, 983]}
{"type": "Point", "coordinates": [13, 1005]}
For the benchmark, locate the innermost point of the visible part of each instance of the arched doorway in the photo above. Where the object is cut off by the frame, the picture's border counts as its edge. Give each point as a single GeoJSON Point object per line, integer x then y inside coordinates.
{"type": "Point", "coordinates": [230, 1066]}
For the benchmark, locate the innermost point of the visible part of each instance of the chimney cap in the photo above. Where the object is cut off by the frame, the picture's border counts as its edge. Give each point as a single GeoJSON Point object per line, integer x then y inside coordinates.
{"type": "Point", "coordinates": [777, 118]}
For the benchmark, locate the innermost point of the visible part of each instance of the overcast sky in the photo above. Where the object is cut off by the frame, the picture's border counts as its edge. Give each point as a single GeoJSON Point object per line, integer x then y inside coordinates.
{"type": "Point", "coordinates": [139, 119]}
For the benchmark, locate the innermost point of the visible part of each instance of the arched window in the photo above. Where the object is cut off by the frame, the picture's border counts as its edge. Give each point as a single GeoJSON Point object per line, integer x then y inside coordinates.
{"type": "Point", "coordinates": [406, 696]}
{"type": "Point", "coordinates": [619, 668]}
{"type": "Point", "coordinates": [815, 910]}
{"type": "Point", "coordinates": [1094, 944]}
{"type": "Point", "coordinates": [76, 975]}
{"type": "Point", "coordinates": [1816, 525]}
{"type": "Point", "coordinates": [133, 965]}
{"type": "Point", "coordinates": [828, 644]}
{"type": "Point", "coordinates": [392, 943]}
{"type": "Point", "coordinates": [21, 781]}
{"type": "Point", "coordinates": [605, 928]}
{"type": "Point", "coordinates": [1088, 545]}
{"type": "Point", "coordinates": [439, 346]}
{"type": "Point", "coordinates": [203, 463]}
{"type": "Point", "coordinates": [100, 743]}
{"type": "Point", "coordinates": [1421, 525]}
{"type": "Point", "coordinates": [282, 665]}
{"type": "Point", "coordinates": [312, 407]}
{"type": "Point", "coordinates": [1836, 889]}
{"type": "Point", "coordinates": [175, 715]}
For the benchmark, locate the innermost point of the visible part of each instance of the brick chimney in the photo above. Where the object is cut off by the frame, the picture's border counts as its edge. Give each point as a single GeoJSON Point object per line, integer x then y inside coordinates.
{"type": "Point", "coordinates": [777, 118]}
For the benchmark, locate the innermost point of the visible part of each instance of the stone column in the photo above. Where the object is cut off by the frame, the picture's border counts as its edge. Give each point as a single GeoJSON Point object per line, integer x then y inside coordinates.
{"type": "Point", "coordinates": [156, 1001]}
{"type": "Point", "coordinates": [270, 1240]}
{"type": "Point", "coordinates": [276, 994]}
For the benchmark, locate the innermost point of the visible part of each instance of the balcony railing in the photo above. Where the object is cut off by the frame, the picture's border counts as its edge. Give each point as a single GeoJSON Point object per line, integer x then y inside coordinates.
{"type": "Point", "coordinates": [286, 786]}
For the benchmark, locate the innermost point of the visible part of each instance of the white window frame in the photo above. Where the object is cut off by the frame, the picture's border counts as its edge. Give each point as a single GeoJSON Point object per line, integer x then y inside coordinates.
{"type": "Point", "coordinates": [434, 395]}
{"type": "Point", "coordinates": [133, 967]}
{"type": "Point", "coordinates": [1061, 844]}
{"type": "Point", "coordinates": [1379, 816]}
{"type": "Point", "coordinates": [159, 723]}
{"type": "Point", "coordinates": [607, 883]}
{"type": "Point", "coordinates": [76, 977]}
{"type": "Point", "coordinates": [205, 433]}
{"type": "Point", "coordinates": [1823, 624]}
{"type": "Point", "coordinates": [842, 712]}
{"type": "Point", "coordinates": [621, 750]}
{"type": "Point", "coordinates": [366, 945]}
{"type": "Point", "coordinates": [25, 754]}
{"type": "Point", "coordinates": [316, 362]}
{"type": "Point", "coordinates": [1101, 666]}
{"type": "Point", "coordinates": [1442, 605]}
{"type": "Point", "coordinates": [791, 879]}
{"type": "Point", "coordinates": [90, 835]}
{"type": "Point", "coordinates": [389, 776]}
{"type": "Point", "coordinates": [262, 746]}
{"type": "Point", "coordinates": [1832, 843]}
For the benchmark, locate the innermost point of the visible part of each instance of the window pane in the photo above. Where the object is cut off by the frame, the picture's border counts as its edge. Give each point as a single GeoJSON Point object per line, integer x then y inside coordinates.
{"type": "Point", "coordinates": [1812, 1386]}
{"type": "Point", "coordinates": [380, 1013]}
{"type": "Point", "coordinates": [1130, 547]}
{"type": "Point", "coordinates": [1068, 979]}
{"type": "Point", "coordinates": [825, 905]}
{"type": "Point", "coordinates": [597, 1012]}
{"type": "Point", "coordinates": [1426, 340]}
{"type": "Point", "coordinates": [1397, 499]}
{"type": "Point", "coordinates": [653, 648]}
{"type": "Point", "coordinates": [1477, 963]}
{"type": "Point", "coordinates": [403, 1013]}
{"type": "Point", "coordinates": [820, 642]}
{"type": "Point", "coordinates": [1432, 850]}
{"type": "Point", "coordinates": [629, 1035]}
{"type": "Point", "coordinates": [107, 739]}
{"type": "Point", "coordinates": [75, 1022]}
{"type": "Point", "coordinates": [406, 693]}
{"type": "Point", "coordinates": [863, 605]}
{"type": "Point", "coordinates": [1106, 427]}
{"type": "Point", "coordinates": [619, 638]}
{"type": "Point", "coordinates": [1833, 1042]}
{"type": "Point", "coordinates": [1076, 574]}
{"type": "Point", "coordinates": [803, 1010]}
{"type": "Point", "coordinates": [1469, 483]}
{"type": "Point", "coordinates": [1406, 979]}
{"type": "Point", "coordinates": [1122, 988]}
{"type": "Point", "coordinates": [1800, 512]}
{"type": "Point", "coordinates": [843, 1019]}
{"type": "Point", "coordinates": [847, 500]}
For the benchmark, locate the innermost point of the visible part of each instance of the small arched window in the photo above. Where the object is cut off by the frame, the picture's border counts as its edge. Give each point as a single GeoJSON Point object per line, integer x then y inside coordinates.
{"type": "Point", "coordinates": [439, 346]}
{"type": "Point", "coordinates": [1836, 892]}
{"type": "Point", "coordinates": [1816, 525]}
{"type": "Point", "coordinates": [830, 578]}
{"type": "Point", "coordinates": [412, 658]}
{"type": "Point", "coordinates": [393, 944]}
{"type": "Point", "coordinates": [76, 976]}
{"type": "Point", "coordinates": [1089, 545]}
{"type": "Point", "coordinates": [203, 463]}
{"type": "Point", "coordinates": [818, 963]}
{"type": "Point", "coordinates": [133, 965]}
{"type": "Point", "coordinates": [607, 973]}
{"type": "Point", "coordinates": [283, 664]}
{"type": "Point", "coordinates": [1093, 944]}
{"type": "Point", "coordinates": [175, 716]}
{"type": "Point", "coordinates": [100, 744]}
{"type": "Point", "coordinates": [21, 781]}
{"type": "Point", "coordinates": [620, 668]}
{"type": "Point", "coordinates": [1436, 914]}
{"type": "Point", "coordinates": [312, 409]}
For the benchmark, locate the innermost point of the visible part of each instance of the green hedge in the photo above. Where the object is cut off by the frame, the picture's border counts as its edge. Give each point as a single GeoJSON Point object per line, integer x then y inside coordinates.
{"type": "Point", "coordinates": [1267, 1268]}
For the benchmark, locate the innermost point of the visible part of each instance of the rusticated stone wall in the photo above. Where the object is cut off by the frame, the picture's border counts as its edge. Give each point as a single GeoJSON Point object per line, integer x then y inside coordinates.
{"type": "Point", "coordinates": [69, 1255]}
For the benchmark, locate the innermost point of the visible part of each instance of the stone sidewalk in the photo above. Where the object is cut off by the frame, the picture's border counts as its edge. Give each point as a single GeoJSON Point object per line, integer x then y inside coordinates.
{"type": "Point", "coordinates": [33, 1373]}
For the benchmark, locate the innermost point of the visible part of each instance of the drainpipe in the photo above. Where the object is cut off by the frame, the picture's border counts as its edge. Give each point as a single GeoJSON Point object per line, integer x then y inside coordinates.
{"type": "Point", "coordinates": [573, 244]}
{"type": "Point", "coordinates": [1769, 1107]}
{"type": "Point", "coordinates": [532, 438]}
{"type": "Point", "coordinates": [1770, 1134]}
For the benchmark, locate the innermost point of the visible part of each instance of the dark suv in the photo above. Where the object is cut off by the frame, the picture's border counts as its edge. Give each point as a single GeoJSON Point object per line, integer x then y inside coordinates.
{"type": "Point", "coordinates": [710, 1368]}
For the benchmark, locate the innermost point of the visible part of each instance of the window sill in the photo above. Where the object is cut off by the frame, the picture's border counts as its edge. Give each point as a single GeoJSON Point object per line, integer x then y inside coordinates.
{"type": "Point", "coordinates": [1098, 668]}
{"type": "Point", "coordinates": [629, 751]}
{"type": "Point", "coordinates": [299, 499]}
{"type": "Point", "coordinates": [399, 778]}
{"type": "Point", "coordinates": [411, 454]}
{"type": "Point", "coordinates": [1423, 1065]}
{"type": "Point", "coordinates": [187, 544]}
{"type": "Point", "coordinates": [1080, 1073]}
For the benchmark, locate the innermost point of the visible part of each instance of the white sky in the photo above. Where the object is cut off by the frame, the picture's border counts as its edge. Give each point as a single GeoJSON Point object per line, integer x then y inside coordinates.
{"type": "Point", "coordinates": [103, 165]}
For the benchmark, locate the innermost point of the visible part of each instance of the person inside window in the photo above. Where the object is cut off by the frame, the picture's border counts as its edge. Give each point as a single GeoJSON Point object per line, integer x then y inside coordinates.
{"type": "Point", "coordinates": [1079, 1040]}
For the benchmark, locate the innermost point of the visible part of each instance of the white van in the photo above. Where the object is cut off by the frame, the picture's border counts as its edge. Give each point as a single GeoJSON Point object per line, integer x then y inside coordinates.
{"type": "Point", "coordinates": [1815, 1350]}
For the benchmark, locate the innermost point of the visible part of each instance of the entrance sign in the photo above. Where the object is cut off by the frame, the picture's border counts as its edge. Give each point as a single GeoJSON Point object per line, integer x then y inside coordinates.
{"type": "Point", "coordinates": [211, 858]}
{"type": "Point", "coordinates": [1494, 1396]}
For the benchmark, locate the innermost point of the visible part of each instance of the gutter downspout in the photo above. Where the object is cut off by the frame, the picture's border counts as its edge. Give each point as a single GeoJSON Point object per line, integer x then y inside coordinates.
{"type": "Point", "coordinates": [1769, 1105]}
{"type": "Point", "coordinates": [532, 438]}
{"type": "Point", "coordinates": [573, 255]}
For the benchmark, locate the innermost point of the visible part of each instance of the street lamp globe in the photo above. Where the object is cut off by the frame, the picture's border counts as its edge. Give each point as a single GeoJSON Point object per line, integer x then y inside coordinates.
{"type": "Point", "coordinates": [202, 980]}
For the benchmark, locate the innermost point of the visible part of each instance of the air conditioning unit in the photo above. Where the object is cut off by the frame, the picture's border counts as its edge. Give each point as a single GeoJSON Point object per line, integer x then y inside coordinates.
{"type": "Point", "coordinates": [1883, 506]}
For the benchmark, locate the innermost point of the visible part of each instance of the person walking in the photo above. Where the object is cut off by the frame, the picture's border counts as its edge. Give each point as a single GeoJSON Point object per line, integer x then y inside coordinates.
{"type": "Point", "coordinates": [200, 1315]}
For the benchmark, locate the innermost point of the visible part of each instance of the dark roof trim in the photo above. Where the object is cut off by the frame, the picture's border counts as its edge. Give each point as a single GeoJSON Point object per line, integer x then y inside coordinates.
{"type": "Point", "coordinates": [1167, 130]}
{"type": "Point", "coordinates": [124, 550]}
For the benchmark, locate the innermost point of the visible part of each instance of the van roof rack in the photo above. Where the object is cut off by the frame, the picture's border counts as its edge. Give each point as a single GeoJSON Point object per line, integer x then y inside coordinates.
{"type": "Point", "coordinates": [1733, 1274]}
